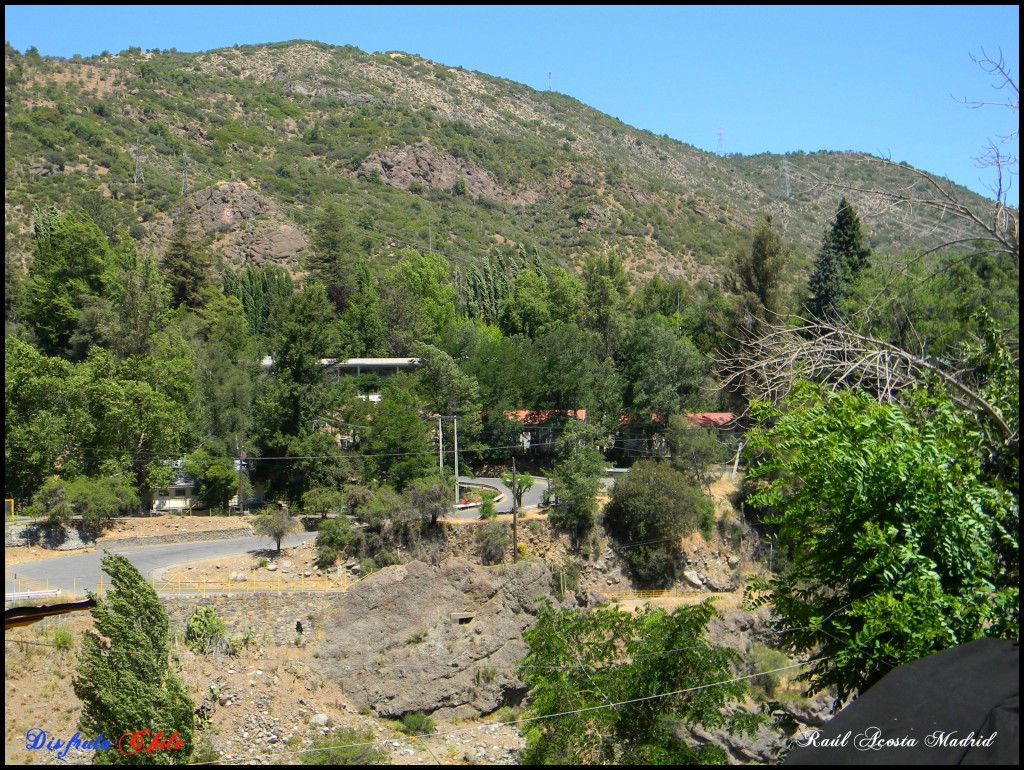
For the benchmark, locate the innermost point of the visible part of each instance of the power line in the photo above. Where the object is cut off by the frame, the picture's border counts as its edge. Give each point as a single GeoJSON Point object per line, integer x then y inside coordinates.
{"type": "Point", "coordinates": [525, 720]}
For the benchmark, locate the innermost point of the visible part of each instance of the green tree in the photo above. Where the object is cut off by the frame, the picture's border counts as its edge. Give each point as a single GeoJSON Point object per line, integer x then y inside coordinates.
{"type": "Point", "coordinates": [332, 540]}
{"type": "Point", "coordinates": [526, 308]}
{"type": "Point", "coordinates": [275, 525]}
{"type": "Point", "coordinates": [842, 257]}
{"type": "Point", "coordinates": [565, 356]}
{"type": "Point", "coordinates": [215, 476]}
{"type": "Point", "coordinates": [260, 290]}
{"type": "Point", "coordinates": [518, 483]}
{"type": "Point", "coordinates": [364, 324]}
{"type": "Point", "coordinates": [429, 499]}
{"type": "Point", "coordinates": [627, 686]}
{"type": "Point", "coordinates": [576, 479]}
{"type": "Point", "coordinates": [72, 261]}
{"type": "Point", "coordinates": [652, 508]}
{"type": "Point", "coordinates": [449, 391]}
{"type": "Point", "coordinates": [334, 254]}
{"type": "Point", "coordinates": [419, 299]}
{"type": "Point", "coordinates": [124, 680]}
{"type": "Point", "coordinates": [188, 265]}
{"type": "Point", "coordinates": [695, 451]}
{"type": "Point", "coordinates": [324, 500]}
{"type": "Point", "coordinates": [758, 279]}
{"type": "Point", "coordinates": [289, 403]}
{"type": "Point", "coordinates": [902, 539]}
{"type": "Point", "coordinates": [397, 445]}
{"type": "Point", "coordinates": [663, 373]}
{"type": "Point", "coordinates": [607, 294]}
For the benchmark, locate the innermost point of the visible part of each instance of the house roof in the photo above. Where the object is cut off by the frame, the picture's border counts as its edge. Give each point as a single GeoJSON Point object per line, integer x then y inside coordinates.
{"type": "Point", "coordinates": [710, 419]}
{"type": "Point", "coordinates": [538, 416]}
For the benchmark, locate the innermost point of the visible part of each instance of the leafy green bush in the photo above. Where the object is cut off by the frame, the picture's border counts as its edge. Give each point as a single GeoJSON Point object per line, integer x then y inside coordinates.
{"type": "Point", "coordinates": [762, 658]}
{"type": "Point", "coordinates": [346, 747]}
{"type": "Point", "coordinates": [206, 632]}
{"type": "Point", "coordinates": [417, 723]}
{"type": "Point", "coordinates": [332, 540]}
{"type": "Point", "coordinates": [487, 509]}
{"type": "Point", "coordinates": [63, 639]}
{"type": "Point", "coordinates": [652, 507]}
{"type": "Point", "coordinates": [492, 541]}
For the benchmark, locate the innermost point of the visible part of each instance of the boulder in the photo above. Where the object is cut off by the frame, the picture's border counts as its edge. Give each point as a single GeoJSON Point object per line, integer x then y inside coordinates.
{"type": "Point", "coordinates": [431, 617]}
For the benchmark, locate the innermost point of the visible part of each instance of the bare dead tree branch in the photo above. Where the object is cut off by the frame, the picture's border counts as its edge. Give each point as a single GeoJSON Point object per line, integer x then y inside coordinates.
{"type": "Point", "coordinates": [833, 352]}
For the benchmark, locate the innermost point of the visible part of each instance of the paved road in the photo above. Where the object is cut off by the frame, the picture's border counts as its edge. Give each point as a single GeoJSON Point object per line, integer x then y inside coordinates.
{"type": "Point", "coordinates": [83, 570]}
{"type": "Point", "coordinates": [531, 497]}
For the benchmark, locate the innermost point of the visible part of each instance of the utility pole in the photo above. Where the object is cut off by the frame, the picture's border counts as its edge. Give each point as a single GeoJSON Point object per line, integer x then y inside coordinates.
{"type": "Point", "coordinates": [184, 172]}
{"type": "Point", "coordinates": [241, 497]}
{"type": "Point", "coordinates": [456, 419]}
{"type": "Point", "coordinates": [440, 446]}
{"type": "Point", "coordinates": [138, 176]}
{"type": "Point", "coordinates": [515, 514]}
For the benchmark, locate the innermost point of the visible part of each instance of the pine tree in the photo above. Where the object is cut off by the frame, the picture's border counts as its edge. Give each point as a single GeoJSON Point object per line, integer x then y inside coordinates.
{"type": "Point", "coordinates": [124, 682]}
{"type": "Point", "coordinates": [842, 257]}
{"type": "Point", "coordinates": [188, 266]}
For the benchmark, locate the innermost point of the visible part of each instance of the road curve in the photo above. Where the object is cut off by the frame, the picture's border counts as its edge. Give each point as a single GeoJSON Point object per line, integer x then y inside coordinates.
{"type": "Point", "coordinates": [81, 571]}
{"type": "Point", "coordinates": [531, 497]}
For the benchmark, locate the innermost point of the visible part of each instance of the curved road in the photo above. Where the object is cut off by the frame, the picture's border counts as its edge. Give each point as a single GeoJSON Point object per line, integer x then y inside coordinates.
{"type": "Point", "coordinates": [532, 497]}
{"type": "Point", "coordinates": [81, 571]}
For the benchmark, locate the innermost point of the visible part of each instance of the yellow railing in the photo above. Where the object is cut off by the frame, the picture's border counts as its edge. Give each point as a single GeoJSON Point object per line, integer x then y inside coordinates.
{"type": "Point", "coordinates": [280, 585]}
{"type": "Point", "coordinates": [625, 596]}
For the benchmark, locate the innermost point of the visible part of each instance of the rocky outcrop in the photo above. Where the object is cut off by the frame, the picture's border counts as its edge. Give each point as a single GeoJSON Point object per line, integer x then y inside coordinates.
{"type": "Point", "coordinates": [442, 639]}
{"type": "Point", "coordinates": [252, 227]}
{"type": "Point", "coordinates": [420, 164]}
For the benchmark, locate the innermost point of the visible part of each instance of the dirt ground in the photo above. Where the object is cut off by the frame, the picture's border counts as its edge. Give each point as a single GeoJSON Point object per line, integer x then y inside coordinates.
{"type": "Point", "coordinates": [26, 554]}
{"type": "Point", "coordinates": [149, 526]}
{"type": "Point", "coordinates": [264, 705]}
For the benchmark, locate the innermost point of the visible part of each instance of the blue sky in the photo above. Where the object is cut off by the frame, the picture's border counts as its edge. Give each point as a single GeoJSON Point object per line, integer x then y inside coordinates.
{"type": "Point", "coordinates": [887, 80]}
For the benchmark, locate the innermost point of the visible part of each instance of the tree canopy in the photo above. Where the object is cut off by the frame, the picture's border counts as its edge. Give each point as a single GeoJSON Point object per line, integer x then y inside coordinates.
{"type": "Point", "coordinates": [901, 540]}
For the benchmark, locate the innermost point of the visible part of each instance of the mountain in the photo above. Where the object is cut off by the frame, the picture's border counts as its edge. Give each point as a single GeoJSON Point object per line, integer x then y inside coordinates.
{"type": "Point", "coordinates": [254, 140]}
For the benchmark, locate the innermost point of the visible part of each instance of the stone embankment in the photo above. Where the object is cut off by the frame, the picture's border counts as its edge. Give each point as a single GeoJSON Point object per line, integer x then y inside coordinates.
{"type": "Point", "coordinates": [266, 615]}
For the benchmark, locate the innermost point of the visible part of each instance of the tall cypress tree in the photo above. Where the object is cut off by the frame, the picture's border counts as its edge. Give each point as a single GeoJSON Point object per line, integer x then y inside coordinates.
{"type": "Point", "coordinates": [125, 682]}
{"type": "Point", "coordinates": [843, 255]}
{"type": "Point", "coordinates": [188, 265]}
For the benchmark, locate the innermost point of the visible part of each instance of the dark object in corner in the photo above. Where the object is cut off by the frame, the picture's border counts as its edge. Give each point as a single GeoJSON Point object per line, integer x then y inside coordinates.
{"type": "Point", "coordinates": [957, 707]}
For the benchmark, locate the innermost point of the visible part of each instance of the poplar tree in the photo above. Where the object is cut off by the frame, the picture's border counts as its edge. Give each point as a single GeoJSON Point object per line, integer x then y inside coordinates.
{"type": "Point", "coordinates": [125, 682]}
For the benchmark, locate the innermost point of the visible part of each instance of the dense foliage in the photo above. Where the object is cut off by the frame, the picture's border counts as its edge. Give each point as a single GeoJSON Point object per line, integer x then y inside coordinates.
{"type": "Point", "coordinates": [652, 508]}
{"type": "Point", "coordinates": [124, 679]}
{"type": "Point", "coordinates": [902, 533]}
{"type": "Point", "coordinates": [621, 688]}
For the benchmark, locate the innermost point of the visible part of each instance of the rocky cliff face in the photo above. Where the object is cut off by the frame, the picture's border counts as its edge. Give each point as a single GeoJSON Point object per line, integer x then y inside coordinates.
{"type": "Point", "coordinates": [252, 228]}
{"type": "Point", "coordinates": [442, 639]}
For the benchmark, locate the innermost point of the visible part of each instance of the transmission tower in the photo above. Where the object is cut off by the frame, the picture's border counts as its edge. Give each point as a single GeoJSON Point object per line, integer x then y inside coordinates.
{"type": "Point", "coordinates": [184, 172]}
{"type": "Point", "coordinates": [786, 190]}
{"type": "Point", "coordinates": [138, 176]}
{"type": "Point", "coordinates": [549, 81]}
{"type": "Point", "coordinates": [721, 140]}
